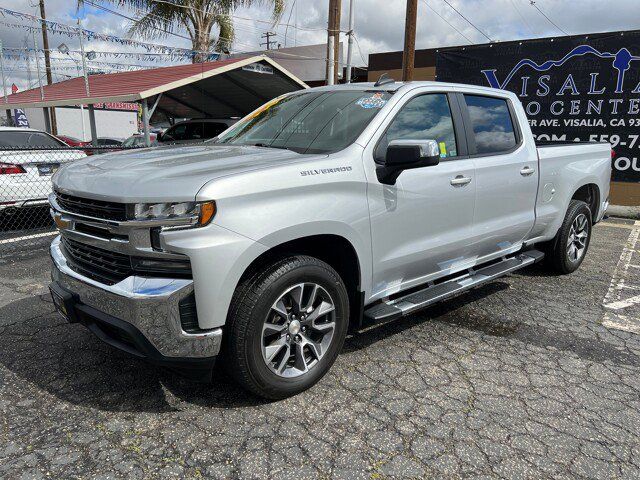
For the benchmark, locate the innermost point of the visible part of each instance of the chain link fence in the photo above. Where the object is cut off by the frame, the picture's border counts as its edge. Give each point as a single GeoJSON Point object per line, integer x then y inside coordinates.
{"type": "Point", "coordinates": [25, 184]}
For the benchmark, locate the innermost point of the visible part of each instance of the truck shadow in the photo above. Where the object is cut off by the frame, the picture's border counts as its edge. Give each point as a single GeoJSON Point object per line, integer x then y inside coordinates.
{"type": "Point", "coordinates": [364, 339]}
{"type": "Point", "coordinates": [68, 362]}
{"type": "Point", "coordinates": [452, 314]}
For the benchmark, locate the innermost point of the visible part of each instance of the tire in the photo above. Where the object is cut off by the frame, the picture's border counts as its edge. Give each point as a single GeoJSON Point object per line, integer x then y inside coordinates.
{"type": "Point", "coordinates": [272, 345]}
{"type": "Point", "coordinates": [561, 257]}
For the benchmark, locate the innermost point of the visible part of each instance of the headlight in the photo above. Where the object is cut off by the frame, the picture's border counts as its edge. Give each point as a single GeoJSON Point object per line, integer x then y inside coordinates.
{"type": "Point", "coordinates": [200, 213]}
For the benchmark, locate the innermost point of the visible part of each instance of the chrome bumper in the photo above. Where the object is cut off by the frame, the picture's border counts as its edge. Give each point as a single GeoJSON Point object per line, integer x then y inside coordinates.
{"type": "Point", "coordinates": [149, 304]}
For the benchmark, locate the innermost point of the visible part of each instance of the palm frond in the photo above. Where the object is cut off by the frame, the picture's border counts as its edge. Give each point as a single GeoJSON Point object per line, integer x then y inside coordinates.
{"type": "Point", "coordinates": [226, 33]}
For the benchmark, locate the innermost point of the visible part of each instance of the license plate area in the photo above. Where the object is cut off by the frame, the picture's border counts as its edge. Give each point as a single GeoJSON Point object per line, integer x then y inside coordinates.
{"type": "Point", "coordinates": [46, 169]}
{"type": "Point", "coordinates": [64, 302]}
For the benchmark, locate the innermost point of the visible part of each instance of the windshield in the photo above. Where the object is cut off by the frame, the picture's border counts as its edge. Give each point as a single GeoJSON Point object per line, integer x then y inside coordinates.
{"type": "Point", "coordinates": [315, 122]}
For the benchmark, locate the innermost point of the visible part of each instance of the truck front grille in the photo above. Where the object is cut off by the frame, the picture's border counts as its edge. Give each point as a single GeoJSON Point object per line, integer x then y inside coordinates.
{"type": "Point", "coordinates": [109, 267]}
{"type": "Point", "coordinates": [92, 208]}
{"type": "Point", "coordinates": [98, 264]}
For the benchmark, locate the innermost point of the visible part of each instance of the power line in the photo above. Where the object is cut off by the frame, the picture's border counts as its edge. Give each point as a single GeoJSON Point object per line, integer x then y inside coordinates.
{"type": "Point", "coordinates": [524, 20]}
{"type": "Point", "coordinates": [135, 20]}
{"type": "Point", "coordinates": [293, 5]}
{"type": "Point", "coordinates": [533, 3]}
{"type": "Point", "coordinates": [273, 24]}
{"type": "Point", "coordinates": [246, 28]}
{"type": "Point", "coordinates": [359, 50]}
{"type": "Point", "coordinates": [446, 21]}
{"type": "Point", "coordinates": [467, 20]}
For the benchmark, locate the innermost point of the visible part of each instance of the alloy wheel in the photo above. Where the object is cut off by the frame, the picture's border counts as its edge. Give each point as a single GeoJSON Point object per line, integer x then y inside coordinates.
{"type": "Point", "coordinates": [298, 330]}
{"type": "Point", "coordinates": [578, 235]}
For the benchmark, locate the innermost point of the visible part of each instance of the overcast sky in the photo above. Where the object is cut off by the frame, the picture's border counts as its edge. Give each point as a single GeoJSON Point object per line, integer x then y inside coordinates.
{"type": "Point", "coordinates": [378, 25]}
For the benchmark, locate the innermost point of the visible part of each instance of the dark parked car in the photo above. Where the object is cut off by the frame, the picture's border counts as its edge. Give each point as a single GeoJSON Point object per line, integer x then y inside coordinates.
{"type": "Point", "coordinates": [195, 130]}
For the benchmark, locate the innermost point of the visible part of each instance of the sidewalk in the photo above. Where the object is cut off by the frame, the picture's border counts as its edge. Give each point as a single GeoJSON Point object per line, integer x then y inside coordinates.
{"type": "Point", "coordinates": [624, 211]}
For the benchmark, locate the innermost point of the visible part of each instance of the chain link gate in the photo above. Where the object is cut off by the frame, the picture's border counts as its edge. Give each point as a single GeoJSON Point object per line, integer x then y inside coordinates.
{"type": "Point", "coordinates": [25, 184]}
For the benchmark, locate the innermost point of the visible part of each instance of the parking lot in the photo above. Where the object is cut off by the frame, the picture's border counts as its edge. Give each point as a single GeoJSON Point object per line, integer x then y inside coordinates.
{"type": "Point", "coordinates": [531, 376]}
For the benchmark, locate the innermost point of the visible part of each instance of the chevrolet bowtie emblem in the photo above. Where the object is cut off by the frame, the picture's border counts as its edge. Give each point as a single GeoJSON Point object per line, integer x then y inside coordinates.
{"type": "Point", "coordinates": [61, 223]}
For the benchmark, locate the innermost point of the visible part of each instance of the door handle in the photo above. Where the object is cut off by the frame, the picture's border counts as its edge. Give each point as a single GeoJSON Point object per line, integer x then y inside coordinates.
{"type": "Point", "coordinates": [526, 171]}
{"type": "Point", "coordinates": [460, 180]}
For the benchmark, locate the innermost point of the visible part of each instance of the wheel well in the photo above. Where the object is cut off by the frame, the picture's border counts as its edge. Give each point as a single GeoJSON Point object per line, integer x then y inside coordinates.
{"type": "Point", "coordinates": [590, 194]}
{"type": "Point", "coordinates": [335, 250]}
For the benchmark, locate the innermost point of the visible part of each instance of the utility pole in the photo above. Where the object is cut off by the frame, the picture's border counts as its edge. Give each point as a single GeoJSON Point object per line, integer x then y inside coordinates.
{"type": "Point", "coordinates": [4, 81]}
{"type": "Point", "coordinates": [333, 41]}
{"type": "Point", "coordinates": [409, 54]}
{"type": "Point", "coordinates": [26, 47]}
{"type": "Point", "coordinates": [84, 60]}
{"type": "Point", "coordinates": [268, 36]}
{"type": "Point", "coordinates": [47, 65]}
{"type": "Point", "coordinates": [350, 44]}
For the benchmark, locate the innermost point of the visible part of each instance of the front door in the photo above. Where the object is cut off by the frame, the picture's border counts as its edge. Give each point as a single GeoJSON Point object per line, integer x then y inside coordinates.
{"type": "Point", "coordinates": [421, 225]}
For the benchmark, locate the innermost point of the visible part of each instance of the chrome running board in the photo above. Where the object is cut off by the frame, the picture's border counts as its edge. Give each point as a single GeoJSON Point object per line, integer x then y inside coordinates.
{"type": "Point", "coordinates": [412, 302]}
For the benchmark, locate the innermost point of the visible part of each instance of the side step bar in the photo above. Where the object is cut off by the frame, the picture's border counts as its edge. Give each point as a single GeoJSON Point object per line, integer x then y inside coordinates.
{"type": "Point", "coordinates": [400, 307]}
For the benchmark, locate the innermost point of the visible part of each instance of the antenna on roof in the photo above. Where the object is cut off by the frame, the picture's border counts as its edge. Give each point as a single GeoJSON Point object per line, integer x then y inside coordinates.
{"type": "Point", "coordinates": [384, 80]}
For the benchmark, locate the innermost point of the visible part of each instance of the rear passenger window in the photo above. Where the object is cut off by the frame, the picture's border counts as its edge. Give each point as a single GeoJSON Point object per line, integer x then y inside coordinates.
{"type": "Point", "coordinates": [426, 117]}
{"type": "Point", "coordinates": [492, 125]}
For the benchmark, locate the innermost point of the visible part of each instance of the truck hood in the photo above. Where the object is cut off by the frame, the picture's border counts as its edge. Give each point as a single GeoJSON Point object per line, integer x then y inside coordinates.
{"type": "Point", "coordinates": [163, 173]}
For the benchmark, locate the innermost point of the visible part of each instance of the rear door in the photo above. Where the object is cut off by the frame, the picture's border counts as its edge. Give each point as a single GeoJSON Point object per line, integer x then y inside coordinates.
{"type": "Point", "coordinates": [505, 174]}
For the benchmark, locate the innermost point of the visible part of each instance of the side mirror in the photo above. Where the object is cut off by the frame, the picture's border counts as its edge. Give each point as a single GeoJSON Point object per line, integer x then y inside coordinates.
{"type": "Point", "coordinates": [406, 154]}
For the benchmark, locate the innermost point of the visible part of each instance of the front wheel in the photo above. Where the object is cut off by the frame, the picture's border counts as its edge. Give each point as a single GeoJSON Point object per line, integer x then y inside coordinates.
{"type": "Point", "coordinates": [569, 247]}
{"type": "Point", "coordinates": [286, 326]}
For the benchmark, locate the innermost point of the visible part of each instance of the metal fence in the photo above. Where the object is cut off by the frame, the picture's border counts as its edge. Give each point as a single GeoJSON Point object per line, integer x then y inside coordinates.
{"type": "Point", "coordinates": [25, 184]}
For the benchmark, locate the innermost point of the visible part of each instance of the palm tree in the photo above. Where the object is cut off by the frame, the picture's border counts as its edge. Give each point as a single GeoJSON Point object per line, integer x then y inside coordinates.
{"type": "Point", "coordinates": [197, 17]}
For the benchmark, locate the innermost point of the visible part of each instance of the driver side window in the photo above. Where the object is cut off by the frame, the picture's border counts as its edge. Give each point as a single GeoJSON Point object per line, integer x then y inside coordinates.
{"type": "Point", "coordinates": [426, 117]}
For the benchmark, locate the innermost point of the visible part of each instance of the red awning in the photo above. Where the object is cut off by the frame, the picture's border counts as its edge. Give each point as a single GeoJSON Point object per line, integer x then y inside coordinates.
{"type": "Point", "coordinates": [220, 89]}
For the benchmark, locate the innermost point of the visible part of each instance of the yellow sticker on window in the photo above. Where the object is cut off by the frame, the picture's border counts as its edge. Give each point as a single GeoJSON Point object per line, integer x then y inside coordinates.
{"type": "Point", "coordinates": [265, 107]}
{"type": "Point", "coordinates": [443, 149]}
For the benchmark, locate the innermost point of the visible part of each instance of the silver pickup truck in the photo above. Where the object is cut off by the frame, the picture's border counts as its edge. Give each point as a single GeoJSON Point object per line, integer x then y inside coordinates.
{"type": "Point", "coordinates": [322, 212]}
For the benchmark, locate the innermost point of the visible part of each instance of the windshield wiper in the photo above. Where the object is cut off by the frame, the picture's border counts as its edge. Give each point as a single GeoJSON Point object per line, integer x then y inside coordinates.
{"type": "Point", "coordinates": [280, 147]}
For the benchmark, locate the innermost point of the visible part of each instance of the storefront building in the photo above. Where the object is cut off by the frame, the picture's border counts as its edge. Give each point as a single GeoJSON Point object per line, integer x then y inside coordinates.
{"type": "Point", "coordinates": [576, 88]}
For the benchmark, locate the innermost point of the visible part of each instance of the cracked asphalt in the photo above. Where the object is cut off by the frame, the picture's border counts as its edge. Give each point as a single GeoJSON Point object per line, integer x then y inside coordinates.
{"type": "Point", "coordinates": [517, 379]}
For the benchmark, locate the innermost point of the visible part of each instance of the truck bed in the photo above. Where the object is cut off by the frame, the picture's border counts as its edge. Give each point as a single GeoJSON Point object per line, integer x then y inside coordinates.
{"type": "Point", "coordinates": [565, 168]}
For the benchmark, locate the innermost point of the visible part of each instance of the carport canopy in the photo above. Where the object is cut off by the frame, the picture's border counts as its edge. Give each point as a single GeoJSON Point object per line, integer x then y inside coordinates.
{"type": "Point", "coordinates": [221, 89]}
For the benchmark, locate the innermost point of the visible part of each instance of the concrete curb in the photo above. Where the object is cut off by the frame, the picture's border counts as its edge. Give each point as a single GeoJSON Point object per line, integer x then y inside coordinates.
{"type": "Point", "coordinates": [624, 211]}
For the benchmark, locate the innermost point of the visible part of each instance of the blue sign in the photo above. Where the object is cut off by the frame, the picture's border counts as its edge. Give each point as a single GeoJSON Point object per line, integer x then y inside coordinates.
{"type": "Point", "coordinates": [579, 88]}
{"type": "Point", "coordinates": [20, 118]}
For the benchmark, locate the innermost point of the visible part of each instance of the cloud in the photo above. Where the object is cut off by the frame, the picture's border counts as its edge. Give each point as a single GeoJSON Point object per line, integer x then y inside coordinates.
{"type": "Point", "coordinates": [379, 25]}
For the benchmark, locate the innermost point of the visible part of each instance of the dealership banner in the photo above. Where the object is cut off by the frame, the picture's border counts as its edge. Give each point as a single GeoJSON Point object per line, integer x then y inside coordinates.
{"type": "Point", "coordinates": [579, 88]}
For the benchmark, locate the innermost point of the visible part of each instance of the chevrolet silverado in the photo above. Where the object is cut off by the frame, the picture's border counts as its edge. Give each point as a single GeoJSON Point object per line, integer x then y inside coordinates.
{"type": "Point", "coordinates": [323, 212]}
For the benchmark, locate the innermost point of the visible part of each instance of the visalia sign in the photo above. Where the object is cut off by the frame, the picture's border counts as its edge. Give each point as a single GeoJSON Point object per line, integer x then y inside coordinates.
{"type": "Point", "coordinates": [620, 63]}
{"type": "Point", "coordinates": [572, 88]}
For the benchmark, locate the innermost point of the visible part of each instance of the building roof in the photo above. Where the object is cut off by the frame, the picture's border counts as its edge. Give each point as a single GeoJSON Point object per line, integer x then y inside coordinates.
{"type": "Point", "coordinates": [307, 62]}
{"type": "Point", "coordinates": [223, 88]}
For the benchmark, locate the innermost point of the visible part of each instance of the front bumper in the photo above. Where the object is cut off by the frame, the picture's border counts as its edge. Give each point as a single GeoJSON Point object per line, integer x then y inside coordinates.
{"type": "Point", "coordinates": [145, 308]}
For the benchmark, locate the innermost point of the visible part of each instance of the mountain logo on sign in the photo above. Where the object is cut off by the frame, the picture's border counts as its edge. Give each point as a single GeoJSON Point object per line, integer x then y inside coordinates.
{"type": "Point", "coordinates": [621, 62]}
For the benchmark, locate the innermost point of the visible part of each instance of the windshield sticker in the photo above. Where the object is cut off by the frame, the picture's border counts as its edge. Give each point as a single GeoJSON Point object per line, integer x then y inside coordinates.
{"type": "Point", "coordinates": [374, 101]}
{"type": "Point", "coordinates": [265, 107]}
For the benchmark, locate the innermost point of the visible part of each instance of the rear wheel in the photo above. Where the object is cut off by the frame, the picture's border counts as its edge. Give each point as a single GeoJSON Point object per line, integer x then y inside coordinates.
{"type": "Point", "coordinates": [569, 247]}
{"type": "Point", "coordinates": [286, 326]}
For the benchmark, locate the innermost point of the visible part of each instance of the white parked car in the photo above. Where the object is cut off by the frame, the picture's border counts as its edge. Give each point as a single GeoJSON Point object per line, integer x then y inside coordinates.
{"type": "Point", "coordinates": [28, 159]}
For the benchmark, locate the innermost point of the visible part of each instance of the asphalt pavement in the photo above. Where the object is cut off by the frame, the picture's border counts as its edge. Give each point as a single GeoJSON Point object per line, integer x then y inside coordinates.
{"type": "Point", "coordinates": [531, 376]}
